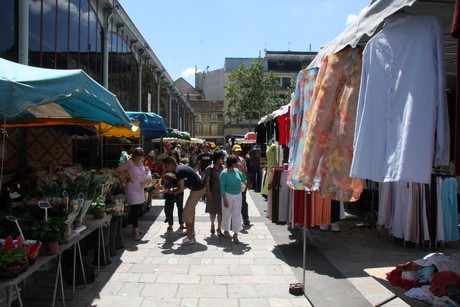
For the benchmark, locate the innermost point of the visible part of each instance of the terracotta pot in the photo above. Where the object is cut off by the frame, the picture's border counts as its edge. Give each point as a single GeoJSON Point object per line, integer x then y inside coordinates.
{"type": "Point", "coordinates": [51, 248]}
{"type": "Point", "coordinates": [13, 271]}
{"type": "Point", "coordinates": [99, 214]}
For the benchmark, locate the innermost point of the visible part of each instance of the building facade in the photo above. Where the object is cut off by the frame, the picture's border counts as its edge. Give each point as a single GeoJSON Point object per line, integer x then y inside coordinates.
{"type": "Point", "coordinates": [284, 64]}
{"type": "Point", "coordinates": [98, 37]}
{"type": "Point", "coordinates": [209, 113]}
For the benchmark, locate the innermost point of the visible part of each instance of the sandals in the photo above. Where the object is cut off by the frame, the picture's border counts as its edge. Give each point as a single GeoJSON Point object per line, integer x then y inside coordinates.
{"type": "Point", "coordinates": [227, 235]}
{"type": "Point", "coordinates": [219, 232]}
{"type": "Point", "coordinates": [213, 230]}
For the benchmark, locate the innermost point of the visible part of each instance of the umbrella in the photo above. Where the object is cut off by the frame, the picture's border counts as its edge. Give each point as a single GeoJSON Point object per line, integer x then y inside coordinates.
{"type": "Point", "coordinates": [31, 96]}
{"type": "Point", "coordinates": [174, 133]}
{"type": "Point", "coordinates": [149, 123]}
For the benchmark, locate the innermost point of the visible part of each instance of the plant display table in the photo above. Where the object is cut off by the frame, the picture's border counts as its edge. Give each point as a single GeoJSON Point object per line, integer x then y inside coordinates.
{"type": "Point", "coordinates": [11, 284]}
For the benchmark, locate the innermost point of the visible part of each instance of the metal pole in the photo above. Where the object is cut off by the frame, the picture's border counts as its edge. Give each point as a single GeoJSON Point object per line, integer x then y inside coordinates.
{"type": "Point", "coordinates": [304, 235]}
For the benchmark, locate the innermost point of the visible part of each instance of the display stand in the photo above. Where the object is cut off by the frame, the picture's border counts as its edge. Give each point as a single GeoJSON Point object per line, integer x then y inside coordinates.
{"type": "Point", "coordinates": [11, 284]}
{"type": "Point", "coordinates": [305, 232]}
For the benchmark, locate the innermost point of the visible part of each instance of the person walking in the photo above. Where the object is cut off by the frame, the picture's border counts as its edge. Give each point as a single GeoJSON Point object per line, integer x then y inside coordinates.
{"type": "Point", "coordinates": [134, 172]}
{"type": "Point", "coordinates": [178, 197]}
{"type": "Point", "coordinates": [231, 180]}
{"type": "Point", "coordinates": [213, 199]}
{"type": "Point", "coordinates": [237, 151]}
{"type": "Point", "coordinates": [187, 177]}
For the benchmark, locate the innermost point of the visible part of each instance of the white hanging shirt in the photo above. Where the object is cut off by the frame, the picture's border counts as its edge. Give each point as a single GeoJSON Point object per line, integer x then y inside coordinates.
{"type": "Point", "coordinates": [402, 118]}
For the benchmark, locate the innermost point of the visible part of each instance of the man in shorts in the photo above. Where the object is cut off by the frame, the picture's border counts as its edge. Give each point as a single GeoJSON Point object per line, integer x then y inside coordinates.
{"type": "Point", "coordinates": [187, 178]}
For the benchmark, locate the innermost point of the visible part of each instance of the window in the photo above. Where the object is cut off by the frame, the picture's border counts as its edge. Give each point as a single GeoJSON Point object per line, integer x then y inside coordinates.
{"type": "Point", "coordinates": [214, 129]}
{"type": "Point", "coordinates": [198, 118]}
{"type": "Point", "coordinates": [213, 118]}
{"type": "Point", "coordinates": [198, 129]}
{"type": "Point", "coordinates": [206, 129]}
{"type": "Point", "coordinates": [285, 82]}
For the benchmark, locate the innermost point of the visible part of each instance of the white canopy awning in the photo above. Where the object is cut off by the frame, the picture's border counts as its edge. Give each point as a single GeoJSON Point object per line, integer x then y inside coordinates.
{"type": "Point", "coordinates": [371, 20]}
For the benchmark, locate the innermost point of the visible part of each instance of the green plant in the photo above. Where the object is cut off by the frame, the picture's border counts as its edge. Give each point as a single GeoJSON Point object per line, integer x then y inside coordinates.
{"type": "Point", "coordinates": [11, 255]}
{"type": "Point", "coordinates": [49, 231]}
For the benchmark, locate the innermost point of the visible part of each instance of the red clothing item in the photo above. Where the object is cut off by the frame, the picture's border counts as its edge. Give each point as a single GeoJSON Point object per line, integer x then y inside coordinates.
{"type": "Point", "coordinates": [394, 277]}
{"type": "Point", "coordinates": [284, 125]}
{"type": "Point", "coordinates": [441, 281]}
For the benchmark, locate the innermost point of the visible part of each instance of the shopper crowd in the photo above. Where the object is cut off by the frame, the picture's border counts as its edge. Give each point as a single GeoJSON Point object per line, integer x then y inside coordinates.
{"type": "Point", "coordinates": [212, 174]}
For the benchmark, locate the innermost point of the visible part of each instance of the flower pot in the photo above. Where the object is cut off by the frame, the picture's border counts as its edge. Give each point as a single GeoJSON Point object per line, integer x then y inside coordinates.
{"type": "Point", "coordinates": [13, 271]}
{"type": "Point", "coordinates": [99, 213]}
{"type": "Point", "coordinates": [51, 248]}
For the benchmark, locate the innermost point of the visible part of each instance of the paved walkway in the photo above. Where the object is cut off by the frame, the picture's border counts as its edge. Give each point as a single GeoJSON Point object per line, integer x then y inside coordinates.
{"type": "Point", "coordinates": [158, 271]}
{"type": "Point", "coordinates": [342, 269]}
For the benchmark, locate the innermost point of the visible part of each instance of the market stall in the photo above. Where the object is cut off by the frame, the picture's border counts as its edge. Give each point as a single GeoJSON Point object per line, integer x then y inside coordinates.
{"type": "Point", "coordinates": [51, 207]}
{"type": "Point", "coordinates": [341, 136]}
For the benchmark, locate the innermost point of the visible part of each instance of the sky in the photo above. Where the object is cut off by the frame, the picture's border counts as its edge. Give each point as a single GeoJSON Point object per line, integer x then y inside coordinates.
{"type": "Point", "coordinates": [186, 35]}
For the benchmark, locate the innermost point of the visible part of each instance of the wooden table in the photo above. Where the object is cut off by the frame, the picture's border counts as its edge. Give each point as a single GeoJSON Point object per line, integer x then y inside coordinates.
{"type": "Point", "coordinates": [11, 284]}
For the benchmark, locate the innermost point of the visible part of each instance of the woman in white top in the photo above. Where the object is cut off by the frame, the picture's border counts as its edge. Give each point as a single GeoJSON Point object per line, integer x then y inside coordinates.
{"type": "Point", "coordinates": [134, 172]}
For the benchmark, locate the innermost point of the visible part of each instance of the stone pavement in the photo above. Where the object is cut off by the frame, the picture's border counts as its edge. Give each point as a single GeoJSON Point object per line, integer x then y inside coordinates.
{"type": "Point", "coordinates": [342, 269]}
{"type": "Point", "coordinates": [158, 271]}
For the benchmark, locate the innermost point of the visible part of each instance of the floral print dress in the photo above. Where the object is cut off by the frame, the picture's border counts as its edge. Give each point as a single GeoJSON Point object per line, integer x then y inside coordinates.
{"type": "Point", "coordinates": [328, 149]}
{"type": "Point", "coordinates": [300, 101]}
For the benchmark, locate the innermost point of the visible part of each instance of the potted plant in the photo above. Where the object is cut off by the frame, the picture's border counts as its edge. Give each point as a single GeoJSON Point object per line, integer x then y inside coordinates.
{"type": "Point", "coordinates": [49, 232]}
{"type": "Point", "coordinates": [98, 207]}
{"type": "Point", "coordinates": [13, 257]}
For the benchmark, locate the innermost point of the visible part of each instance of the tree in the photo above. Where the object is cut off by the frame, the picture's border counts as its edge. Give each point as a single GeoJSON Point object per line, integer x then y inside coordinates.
{"type": "Point", "coordinates": [251, 92]}
{"type": "Point", "coordinates": [289, 91]}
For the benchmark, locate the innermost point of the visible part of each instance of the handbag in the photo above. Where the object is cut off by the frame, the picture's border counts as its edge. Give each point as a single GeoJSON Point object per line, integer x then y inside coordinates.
{"type": "Point", "coordinates": [148, 180]}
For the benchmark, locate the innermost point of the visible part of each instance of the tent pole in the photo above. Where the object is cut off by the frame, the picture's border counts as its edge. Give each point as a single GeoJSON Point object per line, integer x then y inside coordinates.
{"type": "Point", "coordinates": [304, 230]}
{"type": "Point", "coordinates": [5, 135]}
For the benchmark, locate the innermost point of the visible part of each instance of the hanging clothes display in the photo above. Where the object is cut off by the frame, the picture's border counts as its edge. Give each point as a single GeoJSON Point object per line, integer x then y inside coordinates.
{"type": "Point", "coordinates": [283, 123]}
{"type": "Point", "coordinates": [402, 107]}
{"type": "Point", "coordinates": [320, 209]}
{"type": "Point", "coordinates": [300, 101]}
{"type": "Point", "coordinates": [456, 34]}
{"type": "Point", "coordinates": [261, 131]}
{"type": "Point", "coordinates": [271, 161]}
{"type": "Point", "coordinates": [449, 208]}
{"type": "Point", "coordinates": [284, 198]}
{"type": "Point", "coordinates": [414, 213]}
{"type": "Point", "coordinates": [328, 150]}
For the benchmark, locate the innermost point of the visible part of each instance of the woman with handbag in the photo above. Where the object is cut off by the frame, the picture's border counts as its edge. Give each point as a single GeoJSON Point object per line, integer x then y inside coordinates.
{"type": "Point", "coordinates": [232, 182]}
{"type": "Point", "coordinates": [134, 171]}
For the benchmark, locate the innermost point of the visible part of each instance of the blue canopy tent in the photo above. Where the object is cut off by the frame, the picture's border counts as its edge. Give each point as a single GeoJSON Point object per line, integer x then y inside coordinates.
{"type": "Point", "coordinates": [150, 125]}
{"type": "Point", "coordinates": [31, 96]}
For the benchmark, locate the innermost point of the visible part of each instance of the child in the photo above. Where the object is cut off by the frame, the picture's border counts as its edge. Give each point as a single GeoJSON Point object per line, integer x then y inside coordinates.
{"type": "Point", "coordinates": [170, 183]}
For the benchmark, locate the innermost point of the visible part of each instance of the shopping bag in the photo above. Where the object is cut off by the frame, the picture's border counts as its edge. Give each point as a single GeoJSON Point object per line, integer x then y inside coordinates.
{"type": "Point", "coordinates": [148, 180]}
